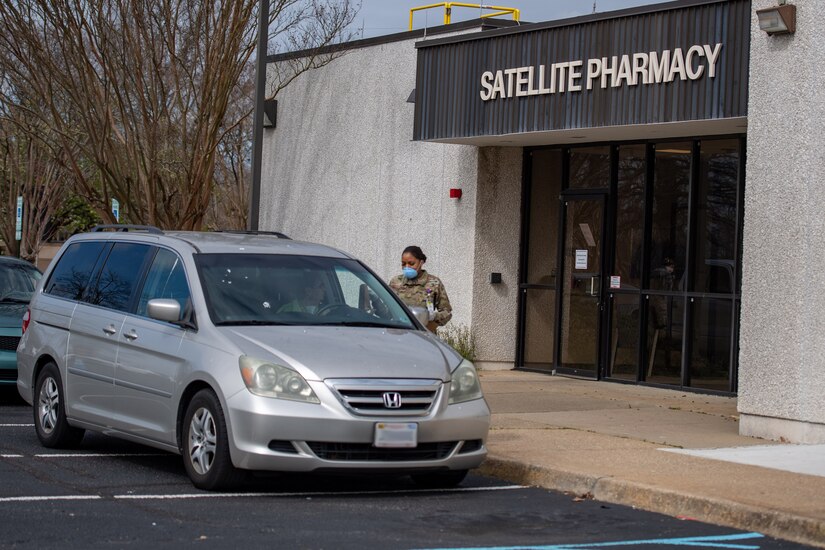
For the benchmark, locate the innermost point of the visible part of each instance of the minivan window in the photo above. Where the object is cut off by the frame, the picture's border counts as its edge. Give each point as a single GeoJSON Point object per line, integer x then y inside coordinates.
{"type": "Point", "coordinates": [166, 279]}
{"type": "Point", "coordinates": [70, 277]}
{"type": "Point", "coordinates": [116, 283]}
{"type": "Point", "coordinates": [276, 289]}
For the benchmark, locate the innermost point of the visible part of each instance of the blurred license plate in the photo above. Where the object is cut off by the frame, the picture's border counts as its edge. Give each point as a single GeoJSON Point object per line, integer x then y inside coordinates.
{"type": "Point", "coordinates": [396, 434]}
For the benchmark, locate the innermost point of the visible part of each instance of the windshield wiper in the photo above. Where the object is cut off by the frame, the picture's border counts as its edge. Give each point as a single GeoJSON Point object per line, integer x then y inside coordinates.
{"type": "Point", "coordinates": [251, 323]}
{"type": "Point", "coordinates": [359, 324]}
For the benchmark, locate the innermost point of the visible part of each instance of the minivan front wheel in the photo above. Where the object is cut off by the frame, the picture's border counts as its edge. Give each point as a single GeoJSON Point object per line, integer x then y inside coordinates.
{"type": "Point", "coordinates": [206, 446]}
{"type": "Point", "coordinates": [53, 430]}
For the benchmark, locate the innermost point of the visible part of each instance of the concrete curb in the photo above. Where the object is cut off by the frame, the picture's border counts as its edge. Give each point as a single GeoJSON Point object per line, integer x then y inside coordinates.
{"type": "Point", "coordinates": [664, 501]}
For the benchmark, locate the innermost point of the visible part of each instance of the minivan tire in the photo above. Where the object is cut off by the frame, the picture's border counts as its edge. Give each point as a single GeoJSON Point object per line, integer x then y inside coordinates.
{"type": "Point", "coordinates": [53, 430]}
{"type": "Point", "coordinates": [205, 445]}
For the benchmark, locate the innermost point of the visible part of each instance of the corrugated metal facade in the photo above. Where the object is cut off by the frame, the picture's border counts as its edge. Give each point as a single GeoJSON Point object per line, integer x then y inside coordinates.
{"type": "Point", "coordinates": [448, 103]}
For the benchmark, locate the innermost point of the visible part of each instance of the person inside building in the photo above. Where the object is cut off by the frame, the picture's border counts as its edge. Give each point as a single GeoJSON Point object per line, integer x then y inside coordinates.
{"type": "Point", "coordinates": [418, 288]}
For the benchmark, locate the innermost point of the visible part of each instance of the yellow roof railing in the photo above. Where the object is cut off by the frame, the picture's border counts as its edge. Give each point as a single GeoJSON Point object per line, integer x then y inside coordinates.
{"type": "Point", "coordinates": [448, 9]}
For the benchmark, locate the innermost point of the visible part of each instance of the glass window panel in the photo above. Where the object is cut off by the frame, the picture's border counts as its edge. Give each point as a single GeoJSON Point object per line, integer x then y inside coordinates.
{"type": "Point", "coordinates": [665, 331]}
{"type": "Point", "coordinates": [590, 167]}
{"type": "Point", "coordinates": [17, 282]}
{"type": "Point", "coordinates": [166, 279]}
{"type": "Point", "coordinates": [671, 197]}
{"type": "Point", "coordinates": [624, 338]}
{"type": "Point", "coordinates": [716, 231]}
{"type": "Point", "coordinates": [539, 328]}
{"type": "Point", "coordinates": [545, 186]}
{"type": "Point", "coordinates": [630, 216]}
{"type": "Point", "coordinates": [71, 275]}
{"type": "Point", "coordinates": [711, 344]}
{"type": "Point", "coordinates": [116, 283]}
{"type": "Point", "coordinates": [280, 289]}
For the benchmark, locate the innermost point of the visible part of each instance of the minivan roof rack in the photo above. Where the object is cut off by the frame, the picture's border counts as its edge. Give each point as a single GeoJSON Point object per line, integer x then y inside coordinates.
{"type": "Point", "coordinates": [251, 232]}
{"type": "Point", "coordinates": [127, 227]}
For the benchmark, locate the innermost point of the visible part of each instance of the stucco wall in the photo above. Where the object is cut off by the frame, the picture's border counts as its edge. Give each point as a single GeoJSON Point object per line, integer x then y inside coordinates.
{"type": "Point", "coordinates": [498, 223]}
{"type": "Point", "coordinates": [341, 169]}
{"type": "Point", "coordinates": [782, 341]}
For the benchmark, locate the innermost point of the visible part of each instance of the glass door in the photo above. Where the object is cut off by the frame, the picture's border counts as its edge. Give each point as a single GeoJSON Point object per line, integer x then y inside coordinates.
{"type": "Point", "coordinates": [540, 262]}
{"type": "Point", "coordinates": [581, 292]}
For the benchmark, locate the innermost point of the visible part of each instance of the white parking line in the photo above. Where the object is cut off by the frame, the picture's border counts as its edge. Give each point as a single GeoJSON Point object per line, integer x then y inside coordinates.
{"type": "Point", "coordinates": [256, 495]}
{"type": "Point", "coordinates": [11, 456]}
{"type": "Point", "coordinates": [47, 498]}
{"type": "Point", "coordinates": [16, 425]}
{"type": "Point", "coordinates": [97, 455]}
{"type": "Point", "coordinates": [317, 494]}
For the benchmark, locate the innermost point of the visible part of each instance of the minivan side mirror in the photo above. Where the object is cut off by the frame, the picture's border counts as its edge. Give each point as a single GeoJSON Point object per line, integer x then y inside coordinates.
{"type": "Point", "coordinates": [421, 314]}
{"type": "Point", "coordinates": [164, 309]}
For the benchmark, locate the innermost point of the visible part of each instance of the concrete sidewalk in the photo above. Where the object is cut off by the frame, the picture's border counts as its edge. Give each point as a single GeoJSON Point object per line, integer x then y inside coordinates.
{"type": "Point", "coordinates": [611, 442]}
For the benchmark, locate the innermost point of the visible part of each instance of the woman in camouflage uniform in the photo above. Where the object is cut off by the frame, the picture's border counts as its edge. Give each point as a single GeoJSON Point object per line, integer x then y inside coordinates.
{"type": "Point", "coordinates": [416, 287]}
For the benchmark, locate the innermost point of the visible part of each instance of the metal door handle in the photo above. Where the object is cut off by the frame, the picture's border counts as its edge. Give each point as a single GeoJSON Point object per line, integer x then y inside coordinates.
{"type": "Point", "coordinates": [110, 330]}
{"type": "Point", "coordinates": [131, 335]}
{"type": "Point", "coordinates": [595, 282]}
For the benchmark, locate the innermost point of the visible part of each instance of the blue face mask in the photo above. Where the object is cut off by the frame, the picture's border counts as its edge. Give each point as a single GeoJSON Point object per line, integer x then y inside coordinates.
{"type": "Point", "coordinates": [409, 272]}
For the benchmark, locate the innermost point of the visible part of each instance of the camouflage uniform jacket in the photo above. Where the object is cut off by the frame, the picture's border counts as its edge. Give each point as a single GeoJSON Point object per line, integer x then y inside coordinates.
{"type": "Point", "coordinates": [413, 292]}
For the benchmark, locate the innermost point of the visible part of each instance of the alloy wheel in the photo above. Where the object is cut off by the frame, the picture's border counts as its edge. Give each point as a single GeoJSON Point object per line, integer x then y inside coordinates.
{"type": "Point", "coordinates": [203, 439]}
{"type": "Point", "coordinates": [48, 405]}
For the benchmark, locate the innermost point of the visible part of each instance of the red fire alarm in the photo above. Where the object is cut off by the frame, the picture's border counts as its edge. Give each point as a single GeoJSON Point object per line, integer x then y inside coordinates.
{"type": "Point", "coordinates": [455, 193]}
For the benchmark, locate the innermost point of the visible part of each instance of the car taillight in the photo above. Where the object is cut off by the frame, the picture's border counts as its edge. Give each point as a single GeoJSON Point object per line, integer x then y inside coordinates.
{"type": "Point", "coordinates": [26, 318]}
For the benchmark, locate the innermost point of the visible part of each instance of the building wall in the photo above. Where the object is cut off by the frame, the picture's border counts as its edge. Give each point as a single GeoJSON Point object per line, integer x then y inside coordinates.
{"type": "Point", "coordinates": [498, 226]}
{"type": "Point", "coordinates": [341, 169]}
{"type": "Point", "coordinates": [782, 339]}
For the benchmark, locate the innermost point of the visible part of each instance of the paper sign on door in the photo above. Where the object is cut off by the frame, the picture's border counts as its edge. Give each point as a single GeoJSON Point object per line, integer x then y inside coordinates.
{"type": "Point", "coordinates": [581, 259]}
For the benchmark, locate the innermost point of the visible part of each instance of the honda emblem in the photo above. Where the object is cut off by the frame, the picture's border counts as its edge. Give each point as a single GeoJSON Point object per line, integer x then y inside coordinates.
{"type": "Point", "coordinates": [392, 400]}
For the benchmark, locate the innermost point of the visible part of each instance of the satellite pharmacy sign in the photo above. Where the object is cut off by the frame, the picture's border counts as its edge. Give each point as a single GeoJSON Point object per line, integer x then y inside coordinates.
{"type": "Point", "coordinates": [676, 62]}
{"type": "Point", "coordinates": [642, 68]}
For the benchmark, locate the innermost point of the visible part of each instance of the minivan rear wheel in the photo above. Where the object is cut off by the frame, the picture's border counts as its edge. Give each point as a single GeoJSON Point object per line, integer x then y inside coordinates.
{"type": "Point", "coordinates": [53, 430]}
{"type": "Point", "coordinates": [206, 445]}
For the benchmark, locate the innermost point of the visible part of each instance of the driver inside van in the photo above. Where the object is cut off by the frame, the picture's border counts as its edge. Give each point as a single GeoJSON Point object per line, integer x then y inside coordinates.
{"type": "Point", "coordinates": [309, 299]}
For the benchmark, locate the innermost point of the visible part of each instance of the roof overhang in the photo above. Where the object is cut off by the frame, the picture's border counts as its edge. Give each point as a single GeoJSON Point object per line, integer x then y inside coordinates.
{"type": "Point", "coordinates": [634, 132]}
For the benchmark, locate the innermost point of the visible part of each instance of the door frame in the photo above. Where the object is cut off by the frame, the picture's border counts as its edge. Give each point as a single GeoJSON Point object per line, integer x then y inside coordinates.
{"type": "Point", "coordinates": [608, 257]}
{"type": "Point", "coordinates": [567, 195]}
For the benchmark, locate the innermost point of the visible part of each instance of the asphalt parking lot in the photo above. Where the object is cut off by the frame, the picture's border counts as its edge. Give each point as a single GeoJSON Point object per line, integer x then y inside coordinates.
{"type": "Point", "coordinates": [110, 493]}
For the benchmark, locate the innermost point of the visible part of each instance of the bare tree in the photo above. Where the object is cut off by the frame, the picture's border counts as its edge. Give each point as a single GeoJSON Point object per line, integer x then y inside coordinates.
{"type": "Point", "coordinates": [137, 93]}
{"type": "Point", "coordinates": [233, 169]}
{"type": "Point", "coordinates": [28, 169]}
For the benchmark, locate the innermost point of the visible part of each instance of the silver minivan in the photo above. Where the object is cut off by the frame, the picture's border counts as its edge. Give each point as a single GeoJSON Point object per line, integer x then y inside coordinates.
{"type": "Point", "coordinates": [244, 351]}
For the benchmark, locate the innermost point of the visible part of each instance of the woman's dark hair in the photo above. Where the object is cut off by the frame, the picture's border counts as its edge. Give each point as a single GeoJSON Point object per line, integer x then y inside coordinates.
{"type": "Point", "coordinates": [416, 252]}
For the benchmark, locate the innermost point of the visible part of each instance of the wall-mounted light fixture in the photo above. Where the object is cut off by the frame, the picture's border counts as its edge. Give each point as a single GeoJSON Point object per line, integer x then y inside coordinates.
{"type": "Point", "coordinates": [778, 19]}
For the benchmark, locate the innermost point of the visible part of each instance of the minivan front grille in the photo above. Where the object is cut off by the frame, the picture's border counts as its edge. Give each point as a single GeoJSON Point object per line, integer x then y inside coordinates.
{"type": "Point", "coordinates": [9, 343]}
{"type": "Point", "coordinates": [366, 452]}
{"type": "Point", "coordinates": [387, 397]}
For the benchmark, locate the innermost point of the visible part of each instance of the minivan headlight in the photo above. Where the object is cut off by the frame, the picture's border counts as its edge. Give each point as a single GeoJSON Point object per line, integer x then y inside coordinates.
{"type": "Point", "coordinates": [271, 380]}
{"type": "Point", "coordinates": [465, 385]}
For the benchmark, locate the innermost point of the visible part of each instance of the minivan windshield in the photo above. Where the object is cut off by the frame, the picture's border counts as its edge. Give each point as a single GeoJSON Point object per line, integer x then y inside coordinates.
{"type": "Point", "coordinates": [17, 282]}
{"type": "Point", "coordinates": [276, 289]}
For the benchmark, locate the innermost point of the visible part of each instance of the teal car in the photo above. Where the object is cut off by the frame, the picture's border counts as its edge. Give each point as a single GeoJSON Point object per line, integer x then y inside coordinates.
{"type": "Point", "coordinates": [18, 279]}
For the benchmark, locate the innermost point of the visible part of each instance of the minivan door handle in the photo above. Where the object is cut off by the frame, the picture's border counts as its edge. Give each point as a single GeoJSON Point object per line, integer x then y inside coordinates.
{"type": "Point", "coordinates": [131, 335]}
{"type": "Point", "coordinates": [110, 330]}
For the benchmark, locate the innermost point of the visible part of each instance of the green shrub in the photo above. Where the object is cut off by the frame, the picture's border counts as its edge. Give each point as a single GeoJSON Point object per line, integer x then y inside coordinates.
{"type": "Point", "coordinates": [460, 338]}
